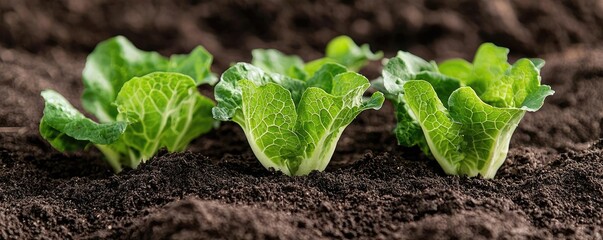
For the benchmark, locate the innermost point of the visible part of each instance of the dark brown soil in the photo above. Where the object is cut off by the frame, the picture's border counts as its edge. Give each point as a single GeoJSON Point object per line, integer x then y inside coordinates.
{"type": "Point", "coordinates": [550, 187]}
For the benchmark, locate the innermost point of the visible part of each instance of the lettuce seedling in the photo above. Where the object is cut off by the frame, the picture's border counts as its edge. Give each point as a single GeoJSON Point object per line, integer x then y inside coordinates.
{"type": "Point", "coordinates": [462, 113]}
{"type": "Point", "coordinates": [292, 125]}
{"type": "Point", "coordinates": [116, 61]}
{"type": "Point", "coordinates": [292, 112]}
{"type": "Point", "coordinates": [140, 106]}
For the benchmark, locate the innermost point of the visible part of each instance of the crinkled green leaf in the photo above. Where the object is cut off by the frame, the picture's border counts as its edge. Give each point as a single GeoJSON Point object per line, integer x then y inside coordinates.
{"type": "Point", "coordinates": [344, 51]}
{"type": "Point", "coordinates": [510, 88]}
{"type": "Point", "coordinates": [441, 133]}
{"type": "Point", "coordinates": [469, 138]}
{"type": "Point", "coordinates": [408, 131]}
{"type": "Point", "coordinates": [323, 78]}
{"type": "Point", "coordinates": [228, 93]}
{"type": "Point", "coordinates": [489, 63]}
{"type": "Point", "coordinates": [115, 61]}
{"type": "Point", "coordinates": [415, 64]}
{"type": "Point", "coordinates": [59, 140]}
{"type": "Point", "coordinates": [443, 85]}
{"type": "Point", "coordinates": [67, 129]}
{"type": "Point", "coordinates": [268, 119]}
{"type": "Point", "coordinates": [162, 110]}
{"type": "Point", "coordinates": [401, 69]}
{"type": "Point", "coordinates": [457, 68]}
{"type": "Point", "coordinates": [486, 132]}
{"type": "Point", "coordinates": [313, 66]}
{"type": "Point", "coordinates": [290, 135]}
{"type": "Point", "coordinates": [464, 114]}
{"type": "Point", "coordinates": [498, 83]}
{"type": "Point", "coordinates": [395, 73]}
{"type": "Point", "coordinates": [535, 99]}
{"type": "Point", "coordinates": [323, 116]}
{"type": "Point", "coordinates": [272, 60]}
{"type": "Point", "coordinates": [196, 65]}
{"type": "Point", "coordinates": [405, 67]}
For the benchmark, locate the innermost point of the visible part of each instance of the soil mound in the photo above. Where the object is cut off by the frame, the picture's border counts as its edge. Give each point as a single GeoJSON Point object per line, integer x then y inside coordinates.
{"type": "Point", "coordinates": [196, 219]}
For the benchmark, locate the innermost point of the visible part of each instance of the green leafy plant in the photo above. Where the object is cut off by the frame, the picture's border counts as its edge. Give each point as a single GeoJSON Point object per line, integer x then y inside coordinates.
{"type": "Point", "coordinates": [143, 102]}
{"type": "Point", "coordinates": [293, 113]}
{"type": "Point", "coordinates": [463, 114]}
